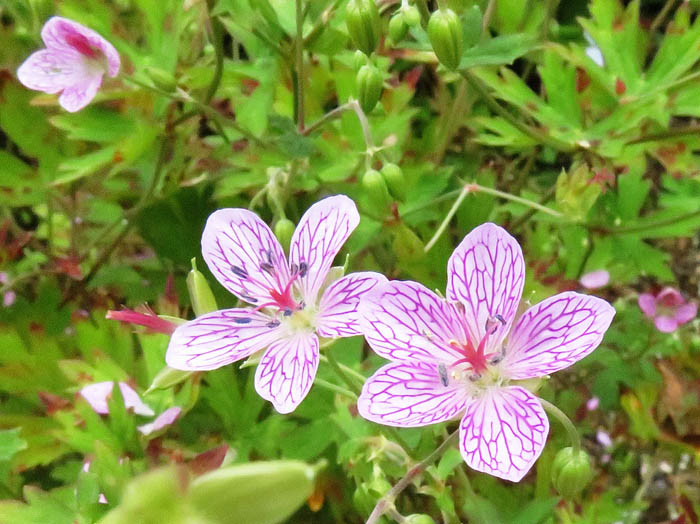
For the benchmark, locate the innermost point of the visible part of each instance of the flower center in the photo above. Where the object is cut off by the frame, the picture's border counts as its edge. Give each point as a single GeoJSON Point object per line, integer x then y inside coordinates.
{"type": "Point", "coordinates": [82, 45]}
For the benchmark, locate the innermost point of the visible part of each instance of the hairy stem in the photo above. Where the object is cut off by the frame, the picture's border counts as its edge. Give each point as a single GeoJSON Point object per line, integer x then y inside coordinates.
{"type": "Point", "coordinates": [557, 413]}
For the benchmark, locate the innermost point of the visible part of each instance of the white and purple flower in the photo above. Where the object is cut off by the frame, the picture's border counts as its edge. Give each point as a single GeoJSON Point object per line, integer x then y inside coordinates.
{"type": "Point", "coordinates": [464, 355]}
{"type": "Point", "coordinates": [294, 301]}
{"type": "Point", "coordinates": [668, 309]}
{"type": "Point", "coordinates": [73, 63]}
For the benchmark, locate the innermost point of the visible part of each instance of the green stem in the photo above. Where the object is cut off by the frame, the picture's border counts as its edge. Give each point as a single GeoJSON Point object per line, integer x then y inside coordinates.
{"type": "Point", "coordinates": [476, 188]}
{"type": "Point", "coordinates": [336, 367]}
{"type": "Point", "coordinates": [299, 52]}
{"type": "Point", "coordinates": [557, 413]}
{"type": "Point", "coordinates": [491, 102]}
{"type": "Point", "coordinates": [659, 19]}
{"type": "Point", "coordinates": [321, 23]}
{"type": "Point", "coordinates": [387, 501]}
{"type": "Point", "coordinates": [217, 34]}
{"type": "Point", "coordinates": [333, 387]}
{"type": "Point", "coordinates": [669, 133]}
{"type": "Point", "coordinates": [331, 115]}
{"type": "Point", "coordinates": [446, 221]}
{"type": "Point", "coordinates": [364, 123]}
{"type": "Point", "coordinates": [424, 12]}
{"type": "Point", "coordinates": [651, 225]}
{"type": "Point", "coordinates": [488, 15]}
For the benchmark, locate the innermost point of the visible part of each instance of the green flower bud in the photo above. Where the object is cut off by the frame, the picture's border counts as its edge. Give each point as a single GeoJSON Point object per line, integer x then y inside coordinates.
{"type": "Point", "coordinates": [419, 518]}
{"type": "Point", "coordinates": [364, 26]}
{"type": "Point", "coordinates": [376, 189]}
{"type": "Point", "coordinates": [393, 175]}
{"type": "Point", "coordinates": [411, 15]}
{"type": "Point", "coordinates": [168, 377]}
{"type": "Point", "coordinates": [397, 28]}
{"type": "Point", "coordinates": [284, 229]}
{"type": "Point", "coordinates": [369, 87]}
{"type": "Point", "coordinates": [571, 472]}
{"type": "Point", "coordinates": [254, 493]}
{"type": "Point", "coordinates": [202, 298]}
{"type": "Point", "coordinates": [358, 60]}
{"type": "Point", "coordinates": [473, 20]}
{"type": "Point", "coordinates": [162, 79]}
{"type": "Point", "coordinates": [445, 33]}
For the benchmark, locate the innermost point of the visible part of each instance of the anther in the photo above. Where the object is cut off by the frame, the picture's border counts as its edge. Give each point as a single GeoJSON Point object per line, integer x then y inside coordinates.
{"type": "Point", "coordinates": [273, 324]}
{"type": "Point", "coordinates": [442, 371]}
{"type": "Point", "coordinates": [287, 312]}
{"type": "Point", "coordinates": [294, 268]}
{"type": "Point", "coordinates": [491, 324]}
{"type": "Point", "coordinates": [303, 268]}
{"type": "Point", "coordinates": [267, 268]}
{"type": "Point", "coordinates": [239, 271]}
{"type": "Point", "coordinates": [242, 320]}
{"type": "Point", "coordinates": [269, 257]}
{"type": "Point", "coordinates": [250, 299]}
{"type": "Point", "coordinates": [474, 377]}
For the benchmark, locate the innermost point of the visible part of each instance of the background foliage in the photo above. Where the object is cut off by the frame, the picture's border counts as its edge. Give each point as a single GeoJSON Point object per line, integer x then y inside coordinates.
{"type": "Point", "coordinates": [104, 208]}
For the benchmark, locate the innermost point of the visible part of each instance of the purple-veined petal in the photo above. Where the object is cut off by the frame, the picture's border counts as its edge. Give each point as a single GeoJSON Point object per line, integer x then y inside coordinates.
{"type": "Point", "coordinates": [219, 338]}
{"type": "Point", "coordinates": [410, 394]}
{"type": "Point", "coordinates": [244, 255]}
{"type": "Point", "coordinates": [165, 419]}
{"type": "Point", "coordinates": [486, 273]}
{"type": "Point", "coordinates": [321, 233]}
{"type": "Point", "coordinates": [405, 321]}
{"type": "Point", "coordinates": [338, 316]}
{"type": "Point", "coordinates": [686, 312]}
{"type": "Point", "coordinates": [64, 34]}
{"type": "Point", "coordinates": [287, 370]}
{"type": "Point", "coordinates": [647, 303]}
{"type": "Point", "coordinates": [555, 333]}
{"type": "Point", "coordinates": [80, 94]}
{"type": "Point", "coordinates": [51, 71]}
{"type": "Point", "coordinates": [503, 432]}
{"type": "Point", "coordinates": [98, 394]}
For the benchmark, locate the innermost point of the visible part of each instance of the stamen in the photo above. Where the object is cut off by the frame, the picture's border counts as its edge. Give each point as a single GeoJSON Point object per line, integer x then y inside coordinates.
{"type": "Point", "coordinates": [250, 299]}
{"type": "Point", "coordinates": [294, 269]}
{"type": "Point", "coordinates": [242, 320]}
{"type": "Point", "coordinates": [239, 271]}
{"type": "Point", "coordinates": [287, 312]}
{"type": "Point", "coordinates": [269, 257]}
{"type": "Point", "coordinates": [303, 268]}
{"type": "Point", "coordinates": [273, 324]}
{"type": "Point", "coordinates": [267, 268]}
{"type": "Point", "coordinates": [442, 371]}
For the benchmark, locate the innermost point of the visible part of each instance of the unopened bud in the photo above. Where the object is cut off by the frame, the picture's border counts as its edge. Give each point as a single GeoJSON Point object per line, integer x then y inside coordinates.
{"type": "Point", "coordinates": [473, 20]}
{"type": "Point", "coordinates": [377, 192]}
{"type": "Point", "coordinates": [419, 518]}
{"type": "Point", "coordinates": [397, 28]}
{"type": "Point", "coordinates": [201, 296]}
{"type": "Point", "coordinates": [445, 33]}
{"type": "Point", "coordinates": [359, 59]}
{"type": "Point", "coordinates": [364, 25]}
{"type": "Point", "coordinates": [571, 472]}
{"type": "Point", "coordinates": [254, 493]}
{"type": "Point", "coordinates": [284, 229]}
{"type": "Point", "coordinates": [395, 180]}
{"type": "Point", "coordinates": [411, 15]}
{"type": "Point", "coordinates": [162, 79]}
{"type": "Point", "coordinates": [168, 377]}
{"type": "Point", "coordinates": [369, 87]}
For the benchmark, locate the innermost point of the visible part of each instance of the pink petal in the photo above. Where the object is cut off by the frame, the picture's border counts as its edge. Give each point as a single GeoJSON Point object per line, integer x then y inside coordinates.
{"type": "Point", "coordinates": [669, 297]}
{"type": "Point", "coordinates": [503, 432]}
{"type": "Point", "coordinates": [97, 395]}
{"type": "Point", "coordinates": [410, 394]}
{"type": "Point", "coordinates": [486, 274]}
{"type": "Point", "coordinates": [338, 316]}
{"type": "Point", "coordinates": [686, 312]}
{"type": "Point", "coordinates": [555, 333]}
{"type": "Point", "coordinates": [595, 279]}
{"type": "Point", "coordinates": [665, 324]}
{"type": "Point", "coordinates": [219, 338]}
{"type": "Point", "coordinates": [80, 94]}
{"type": "Point", "coordinates": [405, 321]}
{"type": "Point", "coordinates": [51, 71]}
{"type": "Point", "coordinates": [647, 303]}
{"type": "Point", "coordinates": [287, 370]}
{"type": "Point", "coordinates": [66, 35]}
{"type": "Point", "coordinates": [321, 233]}
{"type": "Point", "coordinates": [165, 419]}
{"type": "Point", "coordinates": [244, 255]}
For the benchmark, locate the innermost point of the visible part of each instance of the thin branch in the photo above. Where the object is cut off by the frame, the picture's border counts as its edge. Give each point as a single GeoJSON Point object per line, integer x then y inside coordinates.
{"type": "Point", "coordinates": [217, 35]}
{"type": "Point", "coordinates": [446, 221]}
{"type": "Point", "coordinates": [299, 52]}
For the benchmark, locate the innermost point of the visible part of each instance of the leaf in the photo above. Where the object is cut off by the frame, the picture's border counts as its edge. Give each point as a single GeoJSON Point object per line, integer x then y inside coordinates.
{"type": "Point", "coordinates": [499, 50]}
{"type": "Point", "coordinates": [11, 443]}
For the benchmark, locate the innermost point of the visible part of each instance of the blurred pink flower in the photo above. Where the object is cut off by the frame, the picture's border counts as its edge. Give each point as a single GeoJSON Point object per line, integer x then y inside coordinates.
{"type": "Point", "coordinates": [168, 417]}
{"type": "Point", "coordinates": [667, 308]}
{"type": "Point", "coordinates": [152, 321]}
{"type": "Point", "coordinates": [9, 297]}
{"type": "Point", "coordinates": [592, 403]}
{"type": "Point", "coordinates": [97, 395]}
{"type": "Point", "coordinates": [73, 63]}
{"type": "Point", "coordinates": [595, 279]}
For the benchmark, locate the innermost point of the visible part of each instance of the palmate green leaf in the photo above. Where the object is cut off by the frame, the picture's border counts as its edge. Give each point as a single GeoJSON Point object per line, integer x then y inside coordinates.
{"type": "Point", "coordinates": [41, 506]}
{"type": "Point", "coordinates": [19, 183]}
{"type": "Point", "coordinates": [679, 50]}
{"type": "Point", "coordinates": [11, 443]}
{"type": "Point", "coordinates": [95, 124]}
{"type": "Point", "coordinates": [499, 50]}
{"type": "Point", "coordinates": [559, 79]}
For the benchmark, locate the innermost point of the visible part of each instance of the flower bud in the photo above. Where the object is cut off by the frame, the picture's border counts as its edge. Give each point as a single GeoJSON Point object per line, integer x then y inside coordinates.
{"type": "Point", "coordinates": [397, 28]}
{"type": "Point", "coordinates": [369, 87]}
{"type": "Point", "coordinates": [419, 518]}
{"type": "Point", "coordinates": [202, 298]}
{"type": "Point", "coordinates": [445, 33]}
{"type": "Point", "coordinates": [284, 229]}
{"type": "Point", "coordinates": [254, 493]}
{"type": "Point", "coordinates": [168, 377]}
{"type": "Point", "coordinates": [364, 26]}
{"type": "Point", "coordinates": [571, 472]}
{"type": "Point", "coordinates": [376, 190]}
{"type": "Point", "coordinates": [411, 15]}
{"type": "Point", "coordinates": [161, 79]}
{"type": "Point", "coordinates": [358, 60]}
{"type": "Point", "coordinates": [393, 175]}
{"type": "Point", "coordinates": [473, 20]}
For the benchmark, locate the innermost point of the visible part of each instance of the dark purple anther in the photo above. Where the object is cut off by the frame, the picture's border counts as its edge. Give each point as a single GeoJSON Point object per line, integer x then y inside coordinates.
{"type": "Point", "coordinates": [239, 271]}
{"type": "Point", "coordinates": [269, 257]}
{"type": "Point", "coordinates": [287, 312]}
{"type": "Point", "coordinates": [491, 323]}
{"type": "Point", "coordinates": [294, 268]}
{"type": "Point", "coordinates": [267, 268]}
{"type": "Point", "coordinates": [242, 320]}
{"type": "Point", "coordinates": [250, 299]}
{"type": "Point", "coordinates": [303, 268]}
{"type": "Point", "coordinates": [273, 324]}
